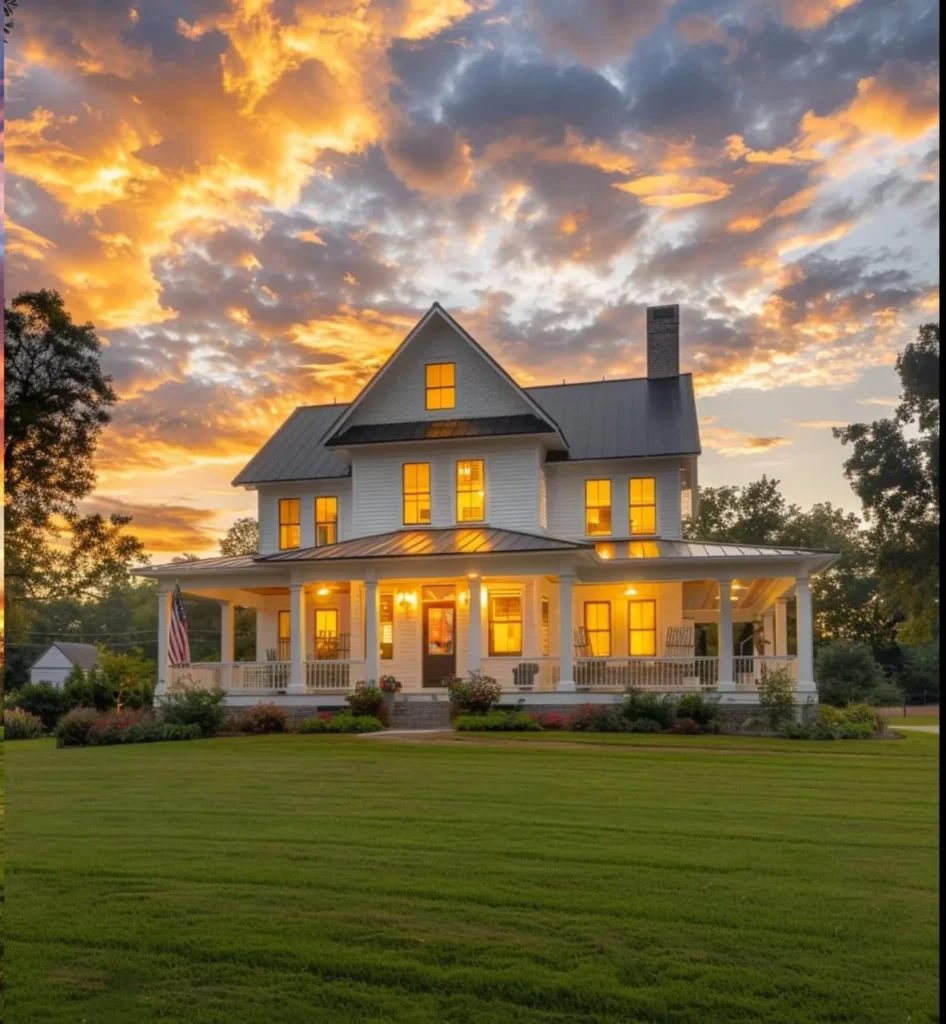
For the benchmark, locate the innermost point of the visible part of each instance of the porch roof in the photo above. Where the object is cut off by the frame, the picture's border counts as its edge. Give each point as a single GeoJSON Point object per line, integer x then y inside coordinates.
{"type": "Point", "coordinates": [440, 430]}
{"type": "Point", "coordinates": [447, 541]}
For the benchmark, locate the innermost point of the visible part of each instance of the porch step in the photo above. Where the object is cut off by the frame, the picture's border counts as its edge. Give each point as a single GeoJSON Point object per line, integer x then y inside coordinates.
{"type": "Point", "coordinates": [421, 714]}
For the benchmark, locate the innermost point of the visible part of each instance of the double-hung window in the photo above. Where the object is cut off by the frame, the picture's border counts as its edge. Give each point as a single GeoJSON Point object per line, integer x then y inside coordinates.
{"type": "Point", "coordinates": [416, 485]}
{"type": "Point", "coordinates": [440, 386]}
{"type": "Point", "coordinates": [642, 496]}
{"type": "Point", "coordinates": [642, 628]}
{"type": "Point", "coordinates": [598, 627]}
{"type": "Point", "coordinates": [597, 508]}
{"type": "Point", "coordinates": [326, 521]}
{"type": "Point", "coordinates": [471, 491]}
{"type": "Point", "coordinates": [505, 623]}
{"type": "Point", "coordinates": [289, 522]}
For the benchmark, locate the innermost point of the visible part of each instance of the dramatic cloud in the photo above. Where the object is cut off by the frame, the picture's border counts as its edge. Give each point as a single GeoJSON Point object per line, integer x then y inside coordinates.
{"type": "Point", "coordinates": [254, 200]}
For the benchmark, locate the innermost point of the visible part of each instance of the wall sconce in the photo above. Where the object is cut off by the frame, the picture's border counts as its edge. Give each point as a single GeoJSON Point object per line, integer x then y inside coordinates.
{"type": "Point", "coordinates": [407, 599]}
{"type": "Point", "coordinates": [322, 592]}
{"type": "Point", "coordinates": [464, 597]}
{"type": "Point", "coordinates": [630, 592]}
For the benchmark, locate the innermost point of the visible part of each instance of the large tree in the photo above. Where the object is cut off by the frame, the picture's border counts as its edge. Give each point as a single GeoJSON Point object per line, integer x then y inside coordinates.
{"type": "Point", "coordinates": [242, 538]}
{"type": "Point", "coordinates": [894, 470]}
{"type": "Point", "coordinates": [58, 401]}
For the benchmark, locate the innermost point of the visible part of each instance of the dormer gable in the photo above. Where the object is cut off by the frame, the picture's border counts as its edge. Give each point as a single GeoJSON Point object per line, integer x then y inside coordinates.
{"type": "Point", "coordinates": [440, 382]}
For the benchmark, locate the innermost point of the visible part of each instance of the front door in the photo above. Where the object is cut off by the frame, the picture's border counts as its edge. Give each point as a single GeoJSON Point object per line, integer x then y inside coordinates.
{"type": "Point", "coordinates": [440, 650]}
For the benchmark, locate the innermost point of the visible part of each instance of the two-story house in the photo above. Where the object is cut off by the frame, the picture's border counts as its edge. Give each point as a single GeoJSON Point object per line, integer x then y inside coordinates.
{"type": "Point", "coordinates": [448, 520]}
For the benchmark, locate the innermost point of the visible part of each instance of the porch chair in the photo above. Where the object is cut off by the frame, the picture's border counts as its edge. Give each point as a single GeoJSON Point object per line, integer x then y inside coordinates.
{"type": "Point", "coordinates": [587, 672]}
{"type": "Point", "coordinates": [523, 675]}
{"type": "Point", "coordinates": [271, 654]}
{"type": "Point", "coordinates": [681, 643]}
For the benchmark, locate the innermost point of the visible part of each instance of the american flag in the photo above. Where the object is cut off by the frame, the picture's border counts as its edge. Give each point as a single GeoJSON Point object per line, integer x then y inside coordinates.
{"type": "Point", "coordinates": [179, 646]}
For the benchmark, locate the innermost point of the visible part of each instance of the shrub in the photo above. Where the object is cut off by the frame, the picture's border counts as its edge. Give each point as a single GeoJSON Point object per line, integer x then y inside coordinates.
{"type": "Point", "coordinates": [496, 721]}
{"type": "Point", "coordinates": [44, 700]}
{"type": "Point", "coordinates": [598, 718]}
{"type": "Point", "coordinates": [388, 684]}
{"type": "Point", "coordinates": [754, 723]}
{"type": "Point", "coordinates": [263, 718]}
{"type": "Point", "coordinates": [777, 696]}
{"type": "Point", "coordinates": [828, 730]}
{"type": "Point", "coordinates": [477, 694]}
{"type": "Point", "coordinates": [846, 673]}
{"type": "Point", "coordinates": [645, 725]}
{"type": "Point", "coordinates": [158, 733]}
{"type": "Point", "coordinates": [684, 727]}
{"type": "Point", "coordinates": [21, 725]}
{"type": "Point", "coordinates": [88, 689]}
{"type": "Point", "coordinates": [365, 700]}
{"type": "Point", "coordinates": [703, 711]}
{"type": "Point", "coordinates": [887, 695]}
{"type": "Point", "coordinates": [72, 730]}
{"type": "Point", "coordinates": [637, 704]}
{"type": "Point", "coordinates": [343, 723]}
{"type": "Point", "coordinates": [193, 705]}
{"type": "Point", "coordinates": [552, 720]}
{"type": "Point", "coordinates": [110, 727]}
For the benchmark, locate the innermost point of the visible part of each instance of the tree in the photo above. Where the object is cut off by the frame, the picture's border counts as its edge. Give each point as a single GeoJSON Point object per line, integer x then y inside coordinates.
{"type": "Point", "coordinates": [242, 538]}
{"type": "Point", "coordinates": [754, 514]}
{"type": "Point", "coordinates": [894, 470]}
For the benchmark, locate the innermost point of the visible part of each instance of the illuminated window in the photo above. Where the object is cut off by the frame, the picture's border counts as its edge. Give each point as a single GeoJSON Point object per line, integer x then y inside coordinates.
{"type": "Point", "coordinates": [284, 635]}
{"type": "Point", "coordinates": [471, 493]}
{"type": "Point", "coordinates": [643, 501]}
{"type": "Point", "coordinates": [387, 627]}
{"type": "Point", "coordinates": [598, 627]}
{"type": "Point", "coordinates": [326, 632]}
{"type": "Point", "coordinates": [441, 386]}
{"type": "Point", "coordinates": [604, 550]}
{"type": "Point", "coordinates": [416, 493]}
{"type": "Point", "coordinates": [545, 627]}
{"type": "Point", "coordinates": [642, 628]}
{"type": "Point", "coordinates": [643, 549]}
{"type": "Point", "coordinates": [288, 523]}
{"type": "Point", "coordinates": [326, 521]}
{"type": "Point", "coordinates": [505, 624]}
{"type": "Point", "coordinates": [597, 508]}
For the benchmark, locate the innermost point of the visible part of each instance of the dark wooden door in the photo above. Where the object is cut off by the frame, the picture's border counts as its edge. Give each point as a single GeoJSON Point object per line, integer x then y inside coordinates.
{"type": "Point", "coordinates": [440, 645]}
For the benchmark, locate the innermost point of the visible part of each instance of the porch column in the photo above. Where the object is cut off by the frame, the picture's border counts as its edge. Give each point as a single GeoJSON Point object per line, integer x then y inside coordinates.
{"type": "Point", "coordinates": [297, 625]}
{"type": "Point", "coordinates": [726, 680]}
{"type": "Point", "coordinates": [566, 650]}
{"type": "Point", "coordinates": [475, 638]}
{"type": "Point", "coordinates": [804, 636]}
{"type": "Point", "coordinates": [226, 643]}
{"type": "Point", "coordinates": [781, 626]}
{"type": "Point", "coordinates": [164, 622]}
{"type": "Point", "coordinates": [372, 647]}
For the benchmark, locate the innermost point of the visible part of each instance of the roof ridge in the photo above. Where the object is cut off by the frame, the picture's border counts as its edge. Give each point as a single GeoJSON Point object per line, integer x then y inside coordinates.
{"type": "Point", "coordinates": [610, 380]}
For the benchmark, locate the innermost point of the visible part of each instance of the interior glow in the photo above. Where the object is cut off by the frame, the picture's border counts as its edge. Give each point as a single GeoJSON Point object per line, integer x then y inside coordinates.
{"type": "Point", "coordinates": [630, 592]}
{"type": "Point", "coordinates": [406, 599]}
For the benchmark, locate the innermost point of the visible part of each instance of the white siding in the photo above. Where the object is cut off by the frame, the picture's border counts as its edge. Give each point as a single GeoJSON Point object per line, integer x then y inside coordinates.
{"type": "Point", "coordinates": [512, 484]}
{"type": "Point", "coordinates": [268, 504]}
{"type": "Point", "coordinates": [566, 494]}
{"type": "Point", "coordinates": [669, 598]}
{"type": "Point", "coordinates": [481, 390]}
{"type": "Point", "coordinates": [267, 621]}
{"type": "Point", "coordinates": [51, 667]}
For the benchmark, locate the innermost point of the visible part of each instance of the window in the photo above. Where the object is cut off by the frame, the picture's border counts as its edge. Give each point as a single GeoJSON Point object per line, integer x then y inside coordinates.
{"type": "Point", "coordinates": [284, 642]}
{"type": "Point", "coordinates": [598, 627]}
{"type": "Point", "coordinates": [326, 632]}
{"type": "Point", "coordinates": [416, 493]}
{"type": "Point", "coordinates": [387, 627]}
{"type": "Point", "coordinates": [545, 627]}
{"type": "Point", "coordinates": [642, 627]}
{"type": "Point", "coordinates": [326, 521]}
{"type": "Point", "coordinates": [471, 496]}
{"type": "Point", "coordinates": [505, 624]}
{"type": "Point", "coordinates": [597, 508]}
{"type": "Point", "coordinates": [441, 386]}
{"type": "Point", "coordinates": [288, 523]}
{"type": "Point", "coordinates": [643, 501]}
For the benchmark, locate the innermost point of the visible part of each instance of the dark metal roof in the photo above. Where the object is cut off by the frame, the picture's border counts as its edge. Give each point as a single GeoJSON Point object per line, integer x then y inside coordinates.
{"type": "Point", "coordinates": [219, 562]}
{"type": "Point", "coordinates": [621, 419]}
{"type": "Point", "coordinates": [295, 451]}
{"type": "Point", "coordinates": [434, 430]}
{"type": "Point", "coordinates": [612, 419]}
{"type": "Point", "coordinates": [81, 655]}
{"type": "Point", "coordinates": [463, 540]}
{"type": "Point", "coordinates": [690, 549]}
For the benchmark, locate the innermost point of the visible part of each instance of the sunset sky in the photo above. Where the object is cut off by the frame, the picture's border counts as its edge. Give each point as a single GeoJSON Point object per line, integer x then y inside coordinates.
{"type": "Point", "coordinates": [254, 200]}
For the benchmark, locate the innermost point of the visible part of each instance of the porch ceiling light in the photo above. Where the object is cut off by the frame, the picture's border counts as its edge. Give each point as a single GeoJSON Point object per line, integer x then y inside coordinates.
{"type": "Point", "coordinates": [630, 592]}
{"type": "Point", "coordinates": [323, 592]}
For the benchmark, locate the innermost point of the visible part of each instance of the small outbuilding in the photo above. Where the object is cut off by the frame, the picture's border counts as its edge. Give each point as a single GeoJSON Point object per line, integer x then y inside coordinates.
{"type": "Point", "coordinates": [55, 664]}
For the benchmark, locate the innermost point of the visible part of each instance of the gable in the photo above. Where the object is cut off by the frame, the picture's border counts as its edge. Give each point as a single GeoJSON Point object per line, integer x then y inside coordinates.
{"type": "Point", "coordinates": [396, 394]}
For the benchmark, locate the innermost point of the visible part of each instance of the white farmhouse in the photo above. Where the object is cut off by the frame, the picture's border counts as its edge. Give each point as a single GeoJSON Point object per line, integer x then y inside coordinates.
{"type": "Point", "coordinates": [449, 520]}
{"type": "Point", "coordinates": [55, 664]}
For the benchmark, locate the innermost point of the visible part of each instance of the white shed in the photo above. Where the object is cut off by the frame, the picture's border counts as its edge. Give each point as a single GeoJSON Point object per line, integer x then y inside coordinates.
{"type": "Point", "coordinates": [55, 664]}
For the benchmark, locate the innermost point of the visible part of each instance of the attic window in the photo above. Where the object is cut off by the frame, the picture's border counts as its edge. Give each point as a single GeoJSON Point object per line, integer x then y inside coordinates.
{"type": "Point", "coordinates": [441, 386]}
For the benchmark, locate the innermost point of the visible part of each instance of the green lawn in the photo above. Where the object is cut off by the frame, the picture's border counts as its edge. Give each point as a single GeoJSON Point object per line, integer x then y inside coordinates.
{"type": "Point", "coordinates": [313, 879]}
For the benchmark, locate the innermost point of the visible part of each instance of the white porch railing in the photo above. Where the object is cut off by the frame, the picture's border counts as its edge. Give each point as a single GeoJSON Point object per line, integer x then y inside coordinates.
{"type": "Point", "coordinates": [267, 676]}
{"type": "Point", "coordinates": [522, 673]}
{"type": "Point", "coordinates": [700, 673]}
{"type": "Point", "coordinates": [321, 676]}
{"type": "Point", "coordinates": [748, 670]}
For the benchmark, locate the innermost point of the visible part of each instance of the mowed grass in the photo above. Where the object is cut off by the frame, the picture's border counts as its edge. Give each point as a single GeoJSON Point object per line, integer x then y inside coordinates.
{"type": "Point", "coordinates": [297, 879]}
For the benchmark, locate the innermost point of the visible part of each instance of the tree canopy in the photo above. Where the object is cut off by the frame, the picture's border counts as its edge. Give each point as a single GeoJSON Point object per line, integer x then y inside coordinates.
{"type": "Point", "coordinates": [242, 538]}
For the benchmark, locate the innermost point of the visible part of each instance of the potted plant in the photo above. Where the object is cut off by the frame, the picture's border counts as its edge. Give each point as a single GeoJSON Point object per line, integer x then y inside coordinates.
{"type": "Point", "coordinates": [453, 684]}
{"type": "Point", "coordinates": [389, 686]}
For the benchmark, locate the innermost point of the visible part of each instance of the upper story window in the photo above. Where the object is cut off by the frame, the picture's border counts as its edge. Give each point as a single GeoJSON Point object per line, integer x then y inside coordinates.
{"type": "Point", "coordinates": [441, 392]}
{"type": "Point", "coordinates": [289, 523]}
{"type": "Point", "coordinates": [643, 504]}
{"type": "Point", "coordinates": [597, 508]}
{"type": "Point", "coordinates": [326, 521]}
{"type": "Point", "coordinates": [471, 492]}
{"type": "Point", "coordinates": [416, 493]}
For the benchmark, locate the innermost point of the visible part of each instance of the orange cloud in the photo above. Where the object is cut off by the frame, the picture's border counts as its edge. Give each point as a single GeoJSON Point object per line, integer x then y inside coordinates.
{"type": "Point", "coordinates": [811, 14]}
{"type": "Point", "coordinates": [675, 190]}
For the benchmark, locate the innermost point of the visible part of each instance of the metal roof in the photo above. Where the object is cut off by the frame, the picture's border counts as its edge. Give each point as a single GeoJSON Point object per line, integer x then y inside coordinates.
{"type": "Point", "coordinates": [295, 451]}
{"type": "Point", "coordinates": [436, 430]}
{"type": "Point", "coordinates": [619, 419]}
{"type": "Point", "coordinates": [463, 540]}
{"type": "Point", "coordinates": [81, 655]}
{"type": "Point", "coordinates": [654, 549]}
{"type": "Point", "coordinates": [631, 418]}
{"type": "Point", "coordinates": [220, 562]}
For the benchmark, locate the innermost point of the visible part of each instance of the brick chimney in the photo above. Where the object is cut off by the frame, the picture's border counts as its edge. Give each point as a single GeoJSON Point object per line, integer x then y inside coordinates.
{"type": "Point", "coordinates": [663, 341]}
